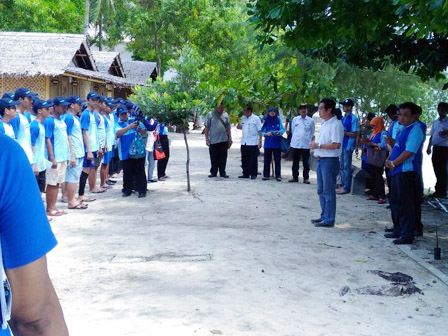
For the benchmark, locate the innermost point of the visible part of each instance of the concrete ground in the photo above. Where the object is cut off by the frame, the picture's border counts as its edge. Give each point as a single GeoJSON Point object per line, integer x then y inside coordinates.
{"type": "Point", "coordinates": [234, 257]}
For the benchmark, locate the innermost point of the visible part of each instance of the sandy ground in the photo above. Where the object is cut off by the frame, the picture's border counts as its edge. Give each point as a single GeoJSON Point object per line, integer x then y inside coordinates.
{"type": "Point", "coordinates": [233, 257]}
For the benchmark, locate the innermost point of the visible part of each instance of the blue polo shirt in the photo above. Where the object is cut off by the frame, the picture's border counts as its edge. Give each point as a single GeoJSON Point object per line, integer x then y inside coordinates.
{"type": "Point", "coordinates": [394, 128]}
{"type": "Point", "coordinates": [125, 141]}
{"type": "Point", "coordinates": [26, 235]}
{"type": "Point", "coordinates": [56, 131]}
{"type": "Point", "coordinates": [89, 122]}
{"type": "Point", "coordinates": [350, 123]}
{"type": "Point", "coordinates": [409, 139]}
{"type": "Point", "coordinates": [75, 131]}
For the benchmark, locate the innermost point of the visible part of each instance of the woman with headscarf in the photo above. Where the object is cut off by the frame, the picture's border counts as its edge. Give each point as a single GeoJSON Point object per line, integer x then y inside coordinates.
{"type": "Point", "coordinates": [272, 130]}
{"type": "Point", "coordinates": [377, 142]}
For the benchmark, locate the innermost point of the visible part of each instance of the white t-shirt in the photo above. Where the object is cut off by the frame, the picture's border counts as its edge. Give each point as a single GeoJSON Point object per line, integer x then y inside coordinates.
{"type": "Point", "coordinates": [331, 131]}
{"type": "Point", "coordinates": [24, 136]}
{"type": "Point", "coordinates": [250, 126]}
{"type": "Point", "coordinates": [302, 132]}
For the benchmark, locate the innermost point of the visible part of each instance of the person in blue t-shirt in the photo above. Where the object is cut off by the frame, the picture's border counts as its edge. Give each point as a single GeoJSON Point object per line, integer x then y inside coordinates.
{"type": "Point", "coordinates": [26, 238]}
{"type": "Point", "coordinates": [89, 128]}
{"type": "Point", "coordinates": [404, 167]}
{"type": "Point", "coordinates": [37, 129]}
{"type": "Point", "coordinates": [76, 146]}
{"type": "Point", "coordinates": [134, 176]}
{"type": "Point", "coordinates": [58, 154]}
{"type": "Point", "coordinates": [8, 113]}
{"type": "Point", "coordinates": [351, 130]}
{"type": "Point", "coordinates": [109, 123]}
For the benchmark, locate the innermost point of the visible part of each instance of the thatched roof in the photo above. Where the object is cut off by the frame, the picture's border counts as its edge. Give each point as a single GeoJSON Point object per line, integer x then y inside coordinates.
{"type": "Point", "coordinates": [46, 54]}
{"type": "Point", "coordinates": [140, 71]}
{"type": "Point", "coordinates": [109, 62]}
{"type": "Point", "coordinates": [100, 76]}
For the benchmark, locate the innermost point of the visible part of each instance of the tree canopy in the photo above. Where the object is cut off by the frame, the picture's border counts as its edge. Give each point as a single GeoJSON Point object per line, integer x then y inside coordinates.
{"type": "Point", "coordinates": [410, 34]}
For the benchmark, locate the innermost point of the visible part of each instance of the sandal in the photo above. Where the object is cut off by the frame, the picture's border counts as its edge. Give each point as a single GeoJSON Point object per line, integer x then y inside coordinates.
{"type": "Point", "coordinates": [86, 199]}
{"type": "Point", "coordinates": [79, 206]}
{"type": "Point", "coordinates": [54, 213]}
{"type": "Point", "coordinates": [98, 191]}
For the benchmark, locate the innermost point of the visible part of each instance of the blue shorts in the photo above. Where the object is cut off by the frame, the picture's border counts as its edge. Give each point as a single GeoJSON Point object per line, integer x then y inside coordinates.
{"type": "Point", "coordinates": [74, 172]}
{"type": "Point", "coordinates": [89, 163]}
{"type": "Point", "coordinates": [107, 157]}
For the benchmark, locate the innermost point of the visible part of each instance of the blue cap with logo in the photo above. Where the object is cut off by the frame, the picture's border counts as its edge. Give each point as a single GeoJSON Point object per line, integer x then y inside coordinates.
{"type": "Point", "coordinates": [122, 109]}
{"type": "Point", "coordinates": [60, 101]}
{"type": "Point", "coordinates": [8, 95]}
{"type": "Point", "coordinates": [22, 93]}
{"type": "Point", "coordinates": [73, 99]}
{"type": "Point", "coordinates": [7, 103]}
{"type": "Point", "coordinates": [92, 95]}
{"type": "Point", "coordinates": [347, 102]}
{"type": "Point", "coordinates": [40, 104]}
{"type": "Point", "coordinates": [102, 98]}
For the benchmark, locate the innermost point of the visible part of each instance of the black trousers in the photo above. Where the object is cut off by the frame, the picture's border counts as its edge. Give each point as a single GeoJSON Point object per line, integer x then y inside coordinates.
{"type": "Point", "coordinates": [439, 163]}
{"type": "Point", "coordinates": [378, 189]}
{"type": "Point", "coordinates": [405, 203]}
{"type": "Point", "coordinates": [134, 176]}
{"type": "Point", "coordinates": [161, 164]}
{"type": "Point", "coordinates": [115, 163]}
{"type": "Point", "coordinates": [297, 155]}
{"type": "Point", "coordinates": [218, 158]}
{"type": "Point", "coordinates": [267, 162]}
{"type": "Point", "coordinates": [249, 160]}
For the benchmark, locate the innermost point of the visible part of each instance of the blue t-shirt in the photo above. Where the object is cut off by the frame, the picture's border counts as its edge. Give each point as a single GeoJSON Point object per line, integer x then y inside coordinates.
{"type": "Point", "coordinates": [409, 139]}
{"type": "Point", "coordinates": [395, 128]}
{"type": "Point", "coordinates": [26, 235]}
{"type": "Point", "coordinates": [37, 130]}
{"type": "Point", "coordinates": [350, 123]}
{"type": "Point", "coordinates": [75, 131]}
{"type": "Point", "coordinates": [56, 131]}
{"type": "Point", "coordinates": [89, 122]}
{"type": "Point", "coordinates": [125, 141]}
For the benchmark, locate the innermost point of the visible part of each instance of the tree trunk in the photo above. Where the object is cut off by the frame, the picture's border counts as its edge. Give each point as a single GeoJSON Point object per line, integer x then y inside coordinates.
{"type": "Point", "coordinates": [196, 123]}
{"type": "Point", "coordinates": [100, 35]}
{"type": "Point", "coordinates": [188, 159]}
{"type": "Point", "coordinates": [87, 18]}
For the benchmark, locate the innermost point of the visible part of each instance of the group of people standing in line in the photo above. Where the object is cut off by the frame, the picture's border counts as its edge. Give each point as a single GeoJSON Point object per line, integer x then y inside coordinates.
{"type": "Point", "coordinates": [396, 151]}
{"type": "Point", "coordinates": [68, 140]}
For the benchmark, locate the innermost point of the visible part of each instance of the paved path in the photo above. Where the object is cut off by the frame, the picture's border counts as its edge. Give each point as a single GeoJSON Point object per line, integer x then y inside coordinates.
{"type": "Point", "coordinates": [234, 257]}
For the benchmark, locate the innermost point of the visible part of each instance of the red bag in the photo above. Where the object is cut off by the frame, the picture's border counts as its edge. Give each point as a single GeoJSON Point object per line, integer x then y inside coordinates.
{"type": "Point", "coordinates": [159, 154]}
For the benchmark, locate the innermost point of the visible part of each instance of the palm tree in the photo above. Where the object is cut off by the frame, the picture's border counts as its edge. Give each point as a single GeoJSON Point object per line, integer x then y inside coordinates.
{"type": "Point", "coordinates": [96, 12]}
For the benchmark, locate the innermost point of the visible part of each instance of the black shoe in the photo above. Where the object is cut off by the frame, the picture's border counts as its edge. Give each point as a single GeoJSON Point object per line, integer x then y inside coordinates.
{"type": "Point", "coordinates": [389, 230]}
{"type": "Point", "coordinates": [110, 182]}
{"type": "Point", "coordinates": [265, 178]}
{"type": "Point", "coordinates": [224, 176]}
{"type": "Point", "coordinates": [418, 233]}
{"type": "Point", "coordinates": [403, 241]}
{"type": "Point", "coordinates": [243, 176]}
{"type": "Point", "coordinates": [391, 235]}
{"type": "Point", "coordinates": [141, 195]}
{"type": "Point", "coordinates": [317, 220]}
{"type": "Point", "coordinates": [323, 224]}
{"type": "Point", "coordinates": [279, 179]}
{"type": "Point", "coordinates": [126, 194]}
{"type": "Point", "coordinates": [253, 177]}
{"type": "Point", "coordinates": [212, 175]}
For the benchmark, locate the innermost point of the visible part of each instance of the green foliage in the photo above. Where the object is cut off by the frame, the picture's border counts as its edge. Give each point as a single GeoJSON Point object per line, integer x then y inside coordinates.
{"type": "Point", "coordinates": [410, 34]}
{"type": "Point", "coordinates": [56, 16]}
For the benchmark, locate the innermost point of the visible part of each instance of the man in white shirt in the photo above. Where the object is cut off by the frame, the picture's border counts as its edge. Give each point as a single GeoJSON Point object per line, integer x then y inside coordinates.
{"type": "Point", "coordinates": [439, 142]}
{"type": "Point", "coordinates": [250, 142]}
{"type": "Point", "coordinates": [302, 129]}
{"type": "Point", "coordinates": [327, 150]}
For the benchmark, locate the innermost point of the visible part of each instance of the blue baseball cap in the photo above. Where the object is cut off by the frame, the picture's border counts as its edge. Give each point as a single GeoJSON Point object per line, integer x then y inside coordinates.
{"type": "Point", "coordinates": [8, 95]}
{"type": "Point", "coordinates": [92, 95]}
{"type": "Point", "coordinates": [60, 101]}
{"type": "Point", "coordinates": [7, 103]}
{"type": "Point", "coordinates": [111, 103]}
{"type": "Point", "coordinates": [102, 98]}
{"type": "Point", "coordinates": [122, 109]}
{"type": "Point", "coordinates": [40, 104]}
{"type": "Point", "coordinates": [22, 93]}
{"type": "Point", "coordinates": [120, 100]}
{"type": "Point", "coordinates": [347, 102]}
{"type": "Point", "coordinates": [128, 104]}
{"type": "Point", "coordinates": [75, 100]}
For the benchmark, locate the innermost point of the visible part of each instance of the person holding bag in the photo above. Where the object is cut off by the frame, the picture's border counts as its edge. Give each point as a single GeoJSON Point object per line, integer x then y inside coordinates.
{"type": "Point", "coordinates": [162, 159]}
{"type": "Point", "coordinates": [132, 153]}
{"type": "Point", "coordinates": [376, 158]}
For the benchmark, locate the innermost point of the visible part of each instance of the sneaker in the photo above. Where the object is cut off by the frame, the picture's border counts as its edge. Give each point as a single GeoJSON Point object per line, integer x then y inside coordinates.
{"type": "Point", "coordinates": [381, 201]}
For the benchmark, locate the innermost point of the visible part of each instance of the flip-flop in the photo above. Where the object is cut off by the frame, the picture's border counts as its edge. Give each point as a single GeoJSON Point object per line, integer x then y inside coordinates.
{"type": "Point", "coordinates": [54, 213]}
{"type": "Point", "coordinates": [99, 191]}
{"type": "Point", "coordinates": [62, 212]}
{"type": "Point", "coordinates": [79, 206]}
{"type": "Point", "coordinates": [87, 200]}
